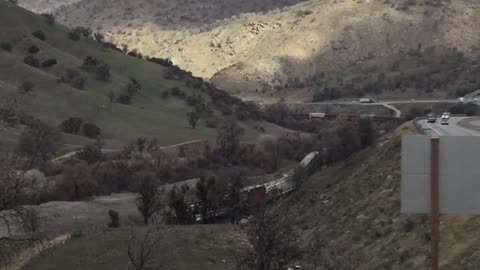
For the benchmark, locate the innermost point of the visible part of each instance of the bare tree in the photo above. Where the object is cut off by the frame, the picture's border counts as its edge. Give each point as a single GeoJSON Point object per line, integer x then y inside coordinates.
{"type": "Point", "coordinates": [273, 243]}
{"type": "Point", "coordinates": [149, 200]}
{"type": "Point", "coordinates": [16, 189]}
{"type": "Point", "coordinates": [8, 110]}
{"type": "Point", "coordinates": [141, 142]}
{"type": "Point", "coordinates": [140, 249]}
{"type": "Point", "coordinates": [228, 139]}
{"type": "Point", "coordinates": [272, 149]}
{"type": "Point", "coordinates": [38, 142]}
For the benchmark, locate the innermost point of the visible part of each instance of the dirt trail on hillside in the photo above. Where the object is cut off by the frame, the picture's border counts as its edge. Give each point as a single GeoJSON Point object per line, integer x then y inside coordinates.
{"type": "Point", "coordinates": [26, 255]}
{"type": "Point", "coordinates": [70, 154]}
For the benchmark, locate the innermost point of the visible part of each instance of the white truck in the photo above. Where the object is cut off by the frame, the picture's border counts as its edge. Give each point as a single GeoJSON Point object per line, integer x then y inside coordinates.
{"type": "Point", "coordinates": [366, 100]}
{"type": "Point", "coordinates": [316, 115]}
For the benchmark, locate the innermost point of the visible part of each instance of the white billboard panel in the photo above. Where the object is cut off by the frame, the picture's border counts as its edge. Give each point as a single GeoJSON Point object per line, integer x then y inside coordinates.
{"type": "Point", "coordinates": [459, 174]}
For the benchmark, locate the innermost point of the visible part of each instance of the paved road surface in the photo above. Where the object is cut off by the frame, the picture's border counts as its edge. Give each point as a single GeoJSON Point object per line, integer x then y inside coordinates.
{"type": "Point", "coordinates": [381, 102]}
{"type": "Point", "coordinates": [386, 103]}
{"type": "Point", "coordinates": [453, 129]}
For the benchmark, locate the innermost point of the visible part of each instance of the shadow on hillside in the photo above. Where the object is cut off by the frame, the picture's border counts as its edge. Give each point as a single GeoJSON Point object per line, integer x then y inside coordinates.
{"type": "Point", "coordinates": [180, 14]}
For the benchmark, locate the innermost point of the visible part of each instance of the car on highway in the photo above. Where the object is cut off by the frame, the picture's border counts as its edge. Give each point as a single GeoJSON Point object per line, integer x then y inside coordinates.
{"type": "Point", "coordinates": [431, 118]}
{"type": "Point", "coordinates": [444, 121]}
{"type": "Point", "coordinates": [446, 115]}
{"type": "Point", "coordinates": [461, 100]}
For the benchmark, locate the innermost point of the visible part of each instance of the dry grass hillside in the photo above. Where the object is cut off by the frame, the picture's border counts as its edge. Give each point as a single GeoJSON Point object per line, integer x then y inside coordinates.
{"type": "Point", "coordinates": [253, 47]}
{"type": "Point", "coordinates": [351, 212]}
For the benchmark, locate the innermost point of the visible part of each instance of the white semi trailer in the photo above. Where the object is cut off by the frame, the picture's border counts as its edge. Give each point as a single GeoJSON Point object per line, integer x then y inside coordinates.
{"type": "Point", "coordinates": [366, 100]}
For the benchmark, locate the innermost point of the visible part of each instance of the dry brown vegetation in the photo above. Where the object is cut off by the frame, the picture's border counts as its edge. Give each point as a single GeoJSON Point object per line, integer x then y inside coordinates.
{"type": "Point", "coordinates": [298, 47]}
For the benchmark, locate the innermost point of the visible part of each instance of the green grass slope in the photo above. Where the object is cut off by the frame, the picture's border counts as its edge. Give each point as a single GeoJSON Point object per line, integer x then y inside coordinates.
{"type": "Point", "coordinates": [149, 115]}
{"type": "Point", "coordinates": [210, 247]}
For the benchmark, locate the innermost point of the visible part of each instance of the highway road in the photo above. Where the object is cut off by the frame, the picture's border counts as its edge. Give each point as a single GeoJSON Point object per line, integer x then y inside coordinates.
{"type": "Point", "coordinates": [381, 102]}
{"type": "Point", "coordinates": [453, 129]}
{"type": "Point", "coordinates": [390, 104]}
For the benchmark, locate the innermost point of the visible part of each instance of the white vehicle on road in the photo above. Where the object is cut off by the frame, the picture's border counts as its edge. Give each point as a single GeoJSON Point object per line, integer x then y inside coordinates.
{"type": "Point", "coordinates": [461, 100]}
{"type": "Point", "coordinates": [366, 100]}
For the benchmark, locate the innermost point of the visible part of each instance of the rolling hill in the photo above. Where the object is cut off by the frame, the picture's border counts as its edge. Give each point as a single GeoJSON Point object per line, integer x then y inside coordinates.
{"type": "Point", "coordinates": [347, 217]}
{"type": "Point", "coordinates": [351, 213]}
{"type": "Point", "coordinates": [65, 84]}
{"type": "Point", "coordinates": [299, 50]}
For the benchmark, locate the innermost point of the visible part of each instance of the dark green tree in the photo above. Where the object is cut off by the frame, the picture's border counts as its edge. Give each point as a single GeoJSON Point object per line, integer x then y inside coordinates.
{"type": "Point", "coordinates": [149, 199]}
{"type": "Point", "coordinates": [193, 119]}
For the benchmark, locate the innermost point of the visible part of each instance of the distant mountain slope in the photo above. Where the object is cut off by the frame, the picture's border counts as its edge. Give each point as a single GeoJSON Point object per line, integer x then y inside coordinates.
{"type": "Point", "coordinates": [158, 108]}
{"type": "Point", "coordinates": [45, 6]}
{"type": "Point", "coordinates": [288, 47]}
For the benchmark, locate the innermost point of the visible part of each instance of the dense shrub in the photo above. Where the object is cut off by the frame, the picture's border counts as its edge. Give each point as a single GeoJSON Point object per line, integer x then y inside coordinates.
{"type": "Point", "coordinates": [83, 31]}
{"type": "Point", "coordinates": [26, 87]}
{"type": "Point", "coordinates": [467, 109]}
{"type": "Point", "coordinates": [79, 83]}
{"type": "Point", "coordinates": [90, 63]}
{"type": "Point", "coordinates": [74, 35]}
{"type": "Point", "coordinates": [211, 123]}
{"type": "Point", "coordinates": [33, 49]}
{"type": "Point", "coordinates": [71, 125]}
{"type": "Point", "coordinates": [6, 46]}
{"type": "Point", "coordinates": [114, 219]}
{"type": "Point", "coordinates": [102, 73]}
{"type": "Point", "coordinates": [124, 98]}
{"type": "Point", "coordinates": [111, 96]}
{"type": "Point", "coordinates": [98, 37]}
{"type": "Point", "coordinates": [90, 153]}
{"type": "Point", "coordinates": [463, 92]}
{"type": "Point", "coordinates": [31, 61]}
{"type": "Point", "coordinates": [175, 91]}
{"type": "Point", "coordinates": [49, 18]}
{"type": "Point", "coordinates": [52, 168]}
{"type": "Point", "coordinates": [165, 94]}
{"type": "Point", "coordinates": [303, 13]}
{"type": "Point", "coordinates": [160, 61]}
{"type": "Point", "coordinates": [69, 75]}
{"type": "Point", "coordinates": [76, 183]}
{"type": "Point", "coordinates": [194, 100]}
{"type": "Point", "coordinates": [39, 34]}
{"type": "Point", "coordinates": [133, 87]}
{"type": "Point", "coordinates": [49, 62]}
{"type": "Point", "coordinates": [91, 130]}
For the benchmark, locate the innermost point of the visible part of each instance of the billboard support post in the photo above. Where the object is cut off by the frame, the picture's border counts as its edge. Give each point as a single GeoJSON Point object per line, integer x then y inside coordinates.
{"type": "Point", "coordinates": [435, 202]}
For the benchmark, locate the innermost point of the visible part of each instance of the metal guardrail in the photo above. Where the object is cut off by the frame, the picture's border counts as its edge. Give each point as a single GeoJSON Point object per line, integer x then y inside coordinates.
{"type": "Point", "coordinates": [418, 126]}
